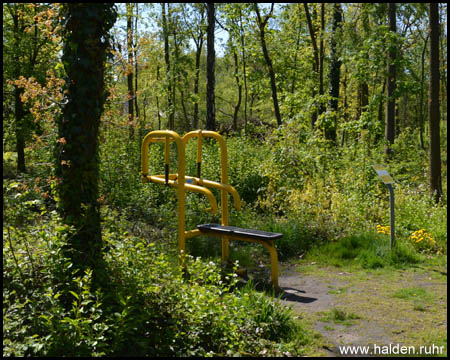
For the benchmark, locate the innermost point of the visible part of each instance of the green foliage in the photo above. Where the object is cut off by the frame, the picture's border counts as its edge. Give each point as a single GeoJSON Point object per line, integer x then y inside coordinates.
{"type": "Point", "coordinates": [336, 191]}
{"type": "Point", "coordinates": [148, 308]}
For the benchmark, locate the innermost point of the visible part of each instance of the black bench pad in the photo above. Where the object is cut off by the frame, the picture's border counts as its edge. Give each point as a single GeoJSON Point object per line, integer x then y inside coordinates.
{"type": "Point", "coordinates": [236, 231]}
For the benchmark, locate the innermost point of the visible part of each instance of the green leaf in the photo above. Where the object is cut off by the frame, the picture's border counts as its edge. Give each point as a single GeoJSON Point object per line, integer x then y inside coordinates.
{"type": "Point", "coordinates": [74, 294]}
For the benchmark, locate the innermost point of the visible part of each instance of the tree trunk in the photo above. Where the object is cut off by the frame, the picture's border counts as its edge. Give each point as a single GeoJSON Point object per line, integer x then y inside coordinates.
{"type": "Point", "coordinates": [262, 24]}
{"type": "Point", "coordinates": [335, 75]}
{"type": "Point", "coordinates": [391, 84]}
{"type": "Point", "coordinates": [316, 63]}
{"type": "Point", "coordinates": [19, 113]}
{"type": "Point", "coordinates": [363, 86]}
{"type": "Point", "coordinates": [84, 54]}
{"type": "Point", "coordinates": [167, 60]}
{"type": "Point", "coordinates": [136, 107]}
{"type": "Point", "coordinates": [241, 30]}
{"type": "Point", "coordinates": [294, 74]}
{"type": "Point", "coordinates": [378, 136]}
{"type": "Point", "coordinates": [210, 68]}
{"type": "Point", "coordinates": [158, 109]}
{"type": "Point", "coordinates": [422, 84]}
{"type": "Point", "coordinates": [433, 105]}
{"type": "Point", "coordinates": [198, 55]}
{"type": "Point", "coordinates": [321, 55]}
{"type": "Point", "coordinates": [239, 85]}
{"type": "Point", "coordinates": [175, 64]}
{"type": "Point", "coordinates": [130, 68]}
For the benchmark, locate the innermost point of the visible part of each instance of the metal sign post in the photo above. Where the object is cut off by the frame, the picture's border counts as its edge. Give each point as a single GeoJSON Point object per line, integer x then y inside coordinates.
{"type": "Point", "coordinates": [387, 179]}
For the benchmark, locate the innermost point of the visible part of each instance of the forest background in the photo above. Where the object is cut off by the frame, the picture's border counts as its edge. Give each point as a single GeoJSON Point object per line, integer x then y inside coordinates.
{"type": "Point", "coordinates": [309, 97]}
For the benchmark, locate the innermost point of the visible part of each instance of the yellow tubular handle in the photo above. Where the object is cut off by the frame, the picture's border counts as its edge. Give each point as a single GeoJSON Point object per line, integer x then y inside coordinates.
{"type": "Point", "coordinates": [157, 136]}
{"type": "Point", "coordinates": [223, 151]}
{"type": "Point", "coordinates": [215, 185]}
{"type": "Point", "coordinates": [198, 189]}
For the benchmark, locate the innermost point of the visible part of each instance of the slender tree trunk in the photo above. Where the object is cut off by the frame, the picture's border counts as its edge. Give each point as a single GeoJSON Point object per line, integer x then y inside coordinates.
{"type": "Point", "coordinates": [136, 62]}
{"type": "Point", "coordinates": [198, 39]}
{"type": "Point", "coordinates": [185, 113]}
{"type": "Point", "coordinates": [316, 63]}
{"type": "Point", "coordinates": [294, 75]}
{"type": "Point", "coordinates": [198, 55]}
{"type": "Point", "coordinates": [378, 136]}
{"type": "Point", "coordinates": [244, 67]}
{"type": "Point", "coordinates": [262, 24]}
{"type": "Point", "coordinates": [433, 105]}
{"type": "Point", "coordinates": [321, 55]}
{"type": "Point", "coordinates": [391, 84]}
{"type": "Point", "coordinates": [175, 64]}
{"type": "Point", "coordinates": [363, 86]}
{"type": "Point", "coordinates": [344, 106]}
{"type": "Point", "coordinates": [167, 60]}
{"type": "Point", "coordinates": [144, 104]}
{"type": "Point", "coordinates": [422, 84]}
{"type": "Point", "coordinates": [130, 68]}
{"type": "Point", "coordinates": [20, 129]}
{"type": "Point", "coordinates": [239, 85]}
{"type": "Point", "coordinates": [210, 70]}
{"type": "Point", "coordinates": [335, 75]}
{"type": "Point", "coordinates": [158, 108]}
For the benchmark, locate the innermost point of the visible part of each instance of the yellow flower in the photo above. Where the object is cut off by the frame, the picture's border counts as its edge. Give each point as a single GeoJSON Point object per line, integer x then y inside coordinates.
{"type": "Point", "coordinates": [383, 229]}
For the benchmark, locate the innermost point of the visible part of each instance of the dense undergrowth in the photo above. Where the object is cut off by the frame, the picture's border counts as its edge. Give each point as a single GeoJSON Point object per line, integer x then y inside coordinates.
{"type": "Point", "coordinates": [149, 308]}
{"type": "Point", "coordinates": [327, 201]}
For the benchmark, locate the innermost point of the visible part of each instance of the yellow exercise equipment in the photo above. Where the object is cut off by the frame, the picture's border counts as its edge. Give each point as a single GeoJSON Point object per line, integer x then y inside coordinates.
{"type": "Point", "coordinates": [184, 183]}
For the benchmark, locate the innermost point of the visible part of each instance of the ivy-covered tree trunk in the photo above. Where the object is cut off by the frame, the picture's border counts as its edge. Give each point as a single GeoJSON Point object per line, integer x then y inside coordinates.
{"type": "Point", "coordinates": [84, 54]}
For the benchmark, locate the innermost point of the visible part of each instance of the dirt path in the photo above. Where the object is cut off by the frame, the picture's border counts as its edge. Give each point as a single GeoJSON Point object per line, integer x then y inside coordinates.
{"type": "Point", "coordinates": [406, 307]}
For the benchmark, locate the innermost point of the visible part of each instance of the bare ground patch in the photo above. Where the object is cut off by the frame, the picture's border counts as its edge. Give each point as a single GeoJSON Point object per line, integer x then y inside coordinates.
{"type": "Point", "coordinates": [383, 314]}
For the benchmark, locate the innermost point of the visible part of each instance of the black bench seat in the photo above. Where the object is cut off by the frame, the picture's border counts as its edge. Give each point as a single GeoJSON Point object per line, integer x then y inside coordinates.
{"type": "Point", "coordinates": [237, 231]}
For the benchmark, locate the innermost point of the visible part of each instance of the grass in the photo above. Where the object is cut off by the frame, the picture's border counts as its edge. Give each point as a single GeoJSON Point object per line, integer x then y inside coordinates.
{"type": "Point", "coordinates": [421, 299]}
{"type": "Point", "coordinates": [340, 316]}
{"type": "Point", "coordinates": [367, 251]}
{"type": "Point", "coordinates": [414, 293]}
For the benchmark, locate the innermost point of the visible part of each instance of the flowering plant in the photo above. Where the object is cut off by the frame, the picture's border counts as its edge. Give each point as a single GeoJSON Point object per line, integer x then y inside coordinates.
{"type": "Point", "coordinates": [423, 240]}
{"type": "Point", "coordinates": [383, 229]}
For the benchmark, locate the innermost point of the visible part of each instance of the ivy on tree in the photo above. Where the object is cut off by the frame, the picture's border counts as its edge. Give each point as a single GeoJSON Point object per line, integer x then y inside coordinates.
{"type": "Point", "coordinates": [86, 43]}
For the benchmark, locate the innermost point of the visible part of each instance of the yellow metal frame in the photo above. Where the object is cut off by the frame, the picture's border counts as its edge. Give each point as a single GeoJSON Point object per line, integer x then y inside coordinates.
{"type": "Point", "coordinates": [184, 183]}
